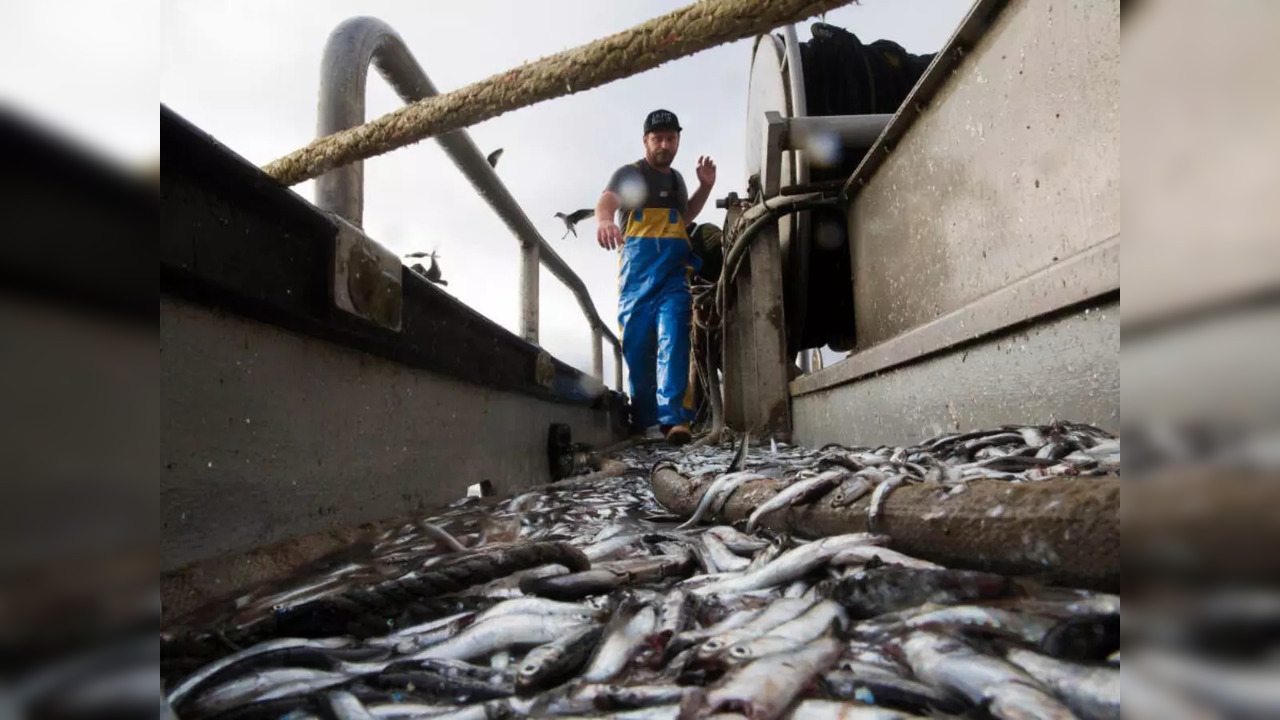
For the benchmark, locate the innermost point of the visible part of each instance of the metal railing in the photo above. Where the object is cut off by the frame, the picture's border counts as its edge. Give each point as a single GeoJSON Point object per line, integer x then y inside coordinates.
{"type": "Point", "coordinates": [350, 49]}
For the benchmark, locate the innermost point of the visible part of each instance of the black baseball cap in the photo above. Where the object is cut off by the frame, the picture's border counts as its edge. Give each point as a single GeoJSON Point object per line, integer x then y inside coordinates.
{"type": "Point", "coordinates": [661, 120]}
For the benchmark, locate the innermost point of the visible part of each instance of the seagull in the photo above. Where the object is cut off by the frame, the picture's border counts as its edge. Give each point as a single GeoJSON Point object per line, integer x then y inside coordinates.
{"type": "Point", "coordinates": [572, 219]}
{"type": "Point", "coordinates": [432, 273]}
{"type": "Point", "coordinates": [493, 157]}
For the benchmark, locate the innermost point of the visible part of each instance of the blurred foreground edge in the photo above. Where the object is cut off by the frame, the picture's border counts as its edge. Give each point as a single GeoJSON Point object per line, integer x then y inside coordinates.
{"type": "Point", "coordinates": [78, 370]}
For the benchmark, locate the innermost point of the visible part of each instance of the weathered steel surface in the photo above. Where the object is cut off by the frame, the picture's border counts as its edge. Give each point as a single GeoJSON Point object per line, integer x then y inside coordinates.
{"type": "Point", "coordinates": [1086, 276]}
{"type": "Point", "coordinates": [269, 434]}
{"type": "Point", "coordinates": [1062, 368]}
{"type": "Point", "coordinates": [1012, 166]}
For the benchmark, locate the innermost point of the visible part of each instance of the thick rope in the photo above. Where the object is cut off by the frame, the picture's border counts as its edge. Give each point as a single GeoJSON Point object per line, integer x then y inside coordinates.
{"type": "Point", "coordinates": [677, 34]}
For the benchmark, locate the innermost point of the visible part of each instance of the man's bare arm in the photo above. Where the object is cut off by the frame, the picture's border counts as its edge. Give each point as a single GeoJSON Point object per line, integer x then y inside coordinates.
{"type": "Point", "coordinates": [608, 234]}
{"type": "Point", "coordinates": [706, 172]}
{"type": "Point", "coordinates": [607, 205]}
{"type": "Point", "coordinates": [697, 201]}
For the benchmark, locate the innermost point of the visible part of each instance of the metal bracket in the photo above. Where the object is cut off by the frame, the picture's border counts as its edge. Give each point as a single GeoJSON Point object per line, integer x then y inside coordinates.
{"type": "Point", "coordinates": [775, 131]}
{"type": "Point", "coordinates": [544, 370]}
{"type": "Point", "coordinates": [366, 278]}
{"type": "Point", "coordinates": [731, 200]}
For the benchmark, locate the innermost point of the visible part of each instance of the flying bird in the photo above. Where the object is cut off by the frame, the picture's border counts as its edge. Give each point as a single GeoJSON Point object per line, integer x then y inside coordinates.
{"type": "Point", "coordinates": [432, 273]}
{"type": "Point", "coordinates": [493, 157]}
{"type": "Point", "coordinates": [572, 219]}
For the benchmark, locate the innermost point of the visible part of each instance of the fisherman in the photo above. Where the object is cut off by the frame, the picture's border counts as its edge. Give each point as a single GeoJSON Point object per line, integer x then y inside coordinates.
{"type": "Point", "coordinates": [653, 208]}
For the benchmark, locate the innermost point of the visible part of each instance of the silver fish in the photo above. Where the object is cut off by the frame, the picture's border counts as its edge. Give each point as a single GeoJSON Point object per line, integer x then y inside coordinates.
{"type": "Point", "coordinates": [715, 496]}
{"type": "Point", "coordinates": [879, 495]}
{"type": "Point", "coordinates": [258, 683]}
{"type": "Point", "coordinates": [1006, 691]}
{"type": "Point", "coordinates": [478, 711]}
{"type": "Point", "coordinates": [193, 682]}
{"type": "Point", "coordinates": [732, 622]}
{"type": "Point", "coordinates": [764, 689]}
{"type": "Point", "coordinates": [535, 606]}
{"type": "Point", "coordinates": [611, 547]}
{"type": "Point", "coordinates": [1032, 437]}
{"type": "Point", "coordinates": [501, 632]}
{"type": "Point", "coordinates": [299, 687]}
{"type": "Point", "coordinates": [810, 625]}
{"type": "Point", "coordinates": [699, 580]}
{"type": "Point", "coordinates": [410, 643]}
{"type": "Point", "coordinates": [723, 558]}
{"type": "Point", "coordinates": [710, 495]}
{"type": "Point", "coordinates": [796, 589]}
{"type": "Point", "coordinates": [396, 710]}
{"type": "Point", "coordinates": [766, 556]}
{"type": "Point", "coordinates": [660, 712]}
{"type": "Point", "coordinates": [547, 664]}
{"type": "Point", "coordinates": [775, 614]}
{"type": "Point", "coordinates": [346, 706]}
{"type": "Point", "coordinates": [674, 614]}
{"type": "Point", "coordinates": [854, 489]}
{"type": "Point", "coordinates": [500, 660]}
{"type": "Point", "coordinates": [620, 644]}
{"type": "Point", "coordinates": [615, 697]}
{"type": "Point", "coordinates": [1026, 627]}
{"type": "Point", "coordinates": [737, 542]}
{"type": "Point", "coordinates": [421, 628]}
{"type": "Point", "coordinates": [836, 710]}
{"type": "Point", "coordinates": [435, 532]}
{"type": "Point", "coordinates": [1092, 693]}
{"type": "Point", "coordinates": [796, 492]}
{"type": "Point", "coordinates": [792, 564]}
{"type": "Point", "coordinates": [863, 554]}
{"type": "Point", "coordinates": [869, 682]}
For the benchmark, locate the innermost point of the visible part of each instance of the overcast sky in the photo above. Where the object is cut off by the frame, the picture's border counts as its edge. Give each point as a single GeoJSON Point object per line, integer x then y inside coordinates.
{"type": "Point", "coordinates": [247, 71]}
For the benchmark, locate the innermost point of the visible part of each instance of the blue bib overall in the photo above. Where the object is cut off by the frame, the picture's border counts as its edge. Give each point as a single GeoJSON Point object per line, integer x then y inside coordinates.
{"type": "Point", "coordinates": [654, 310]}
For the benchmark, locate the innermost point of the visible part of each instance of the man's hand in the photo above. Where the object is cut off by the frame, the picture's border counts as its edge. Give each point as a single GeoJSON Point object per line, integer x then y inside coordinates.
{"type": "Point", "coordinates": [609, 235]}
{"type": "Point", "coordinates": [706, 171]}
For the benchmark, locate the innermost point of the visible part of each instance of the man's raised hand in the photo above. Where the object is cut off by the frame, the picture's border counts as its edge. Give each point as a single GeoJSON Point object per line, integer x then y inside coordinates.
{"type": "Point", "coordinates": [706, 170]}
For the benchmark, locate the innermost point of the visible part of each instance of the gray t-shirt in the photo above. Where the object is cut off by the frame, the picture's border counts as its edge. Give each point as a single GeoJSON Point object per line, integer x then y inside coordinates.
{"type": "Point", "coordinates": [660, 190]}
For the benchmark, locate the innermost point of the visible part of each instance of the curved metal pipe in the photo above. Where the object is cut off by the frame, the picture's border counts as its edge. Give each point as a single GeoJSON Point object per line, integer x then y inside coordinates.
{"type": "Point", "coordinates": [344, 69]}
{"type": "Point", "coordinates": [798, 281]}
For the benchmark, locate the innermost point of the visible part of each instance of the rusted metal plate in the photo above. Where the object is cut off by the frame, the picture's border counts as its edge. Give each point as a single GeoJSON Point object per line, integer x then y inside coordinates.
{"type": "Point", "coordinates": [366, 278]}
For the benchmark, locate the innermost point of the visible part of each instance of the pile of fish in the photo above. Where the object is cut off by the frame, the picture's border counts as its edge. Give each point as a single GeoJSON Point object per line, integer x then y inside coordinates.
{"type": "Point", "coordinates": [1013, 453]}
{"type": "Point", "coordinates": [587, 599]}
{"type": "Point", "coordinates": [1018, 453]}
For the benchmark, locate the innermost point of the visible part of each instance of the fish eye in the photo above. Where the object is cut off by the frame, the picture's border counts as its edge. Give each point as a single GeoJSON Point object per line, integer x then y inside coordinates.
{"type": "Point", "coordinates": [739, 651]}
{"type": "Point", "coordinates": [713, 645]}
{"type": "Point", "coordinates": [529, 669]}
